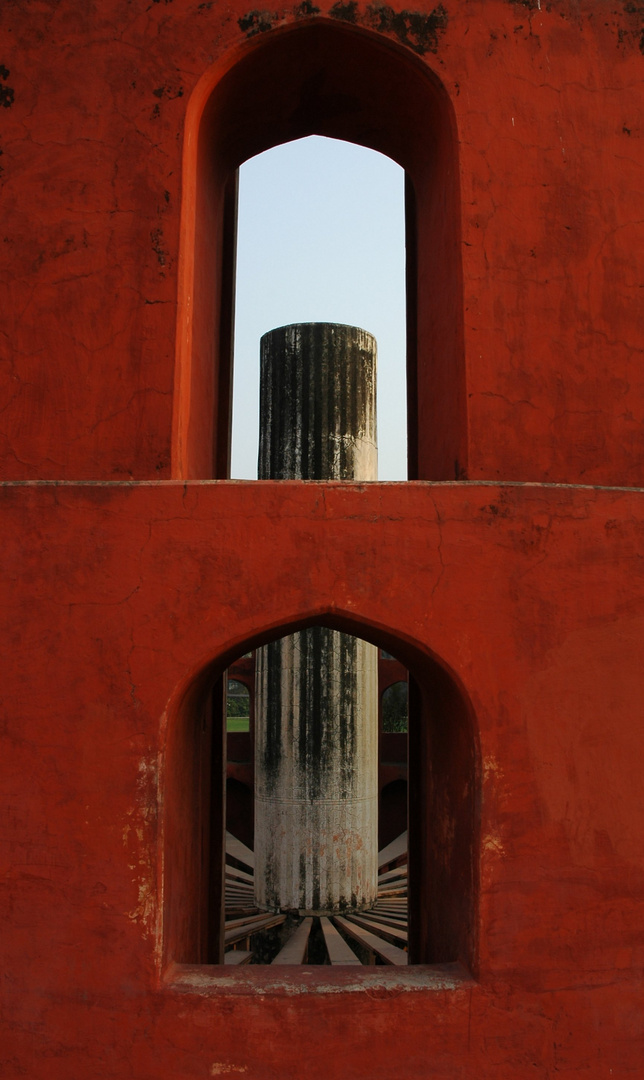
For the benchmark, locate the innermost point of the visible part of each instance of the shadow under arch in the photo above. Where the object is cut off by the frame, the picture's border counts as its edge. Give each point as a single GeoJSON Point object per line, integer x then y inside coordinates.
{"type": "Point", "coordinates": [320, 77]}
{"type": "Point", "coordinates": [444, 786]}
{"type": "Point", "coordinates": [393, 811]}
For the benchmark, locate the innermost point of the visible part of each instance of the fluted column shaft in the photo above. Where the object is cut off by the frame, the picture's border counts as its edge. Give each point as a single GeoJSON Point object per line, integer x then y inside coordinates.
{"type": "Point", "coordinates": [316, 734]}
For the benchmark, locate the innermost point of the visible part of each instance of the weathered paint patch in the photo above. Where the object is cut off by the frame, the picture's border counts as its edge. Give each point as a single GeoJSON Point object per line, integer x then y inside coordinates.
{"type": "Point", "coordinates": [256, 22]}
{"type": "Point", "coordinates": [6, 92]}
{"type": "Point", "coordinates": [416, 29]}
{"type": "Point", "coordinates": [636, 29]}
{"type": "Point", "coordinates": [306, 8]}
{"type": "Point", "coordinates": [136, 837]}
{"type": "Point", "coordinates": [347, 11]}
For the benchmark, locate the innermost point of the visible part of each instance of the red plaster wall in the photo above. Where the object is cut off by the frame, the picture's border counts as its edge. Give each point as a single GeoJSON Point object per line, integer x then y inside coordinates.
{"type": "Point", "coordinates": [547, 106]}
{"type": "Point", "coordinates": [532, 596]}
{"type": "Point", "coordinates": [116, 597]}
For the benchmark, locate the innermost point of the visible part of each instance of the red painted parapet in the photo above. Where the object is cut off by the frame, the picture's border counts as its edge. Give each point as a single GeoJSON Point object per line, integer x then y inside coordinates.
{"type": "Point", "coordinates": [518, 609]}
{"type": "Point", "coordinates": [526, 601]}
{"type": "Point", "coordinates": [518, 127]}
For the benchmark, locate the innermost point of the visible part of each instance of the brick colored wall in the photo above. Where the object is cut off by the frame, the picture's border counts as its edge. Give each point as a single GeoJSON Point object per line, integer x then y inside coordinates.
{"type": "Point", "coordinates": [117, 597]}
{"type": "Point", "coordinates": [548, 114]}
{"type": "Point", "coordinates": [125, 592]}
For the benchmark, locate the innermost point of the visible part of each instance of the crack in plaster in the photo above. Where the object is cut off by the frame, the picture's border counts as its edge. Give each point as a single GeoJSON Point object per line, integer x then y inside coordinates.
{"type": "Point", "coordinates": [438, 522]}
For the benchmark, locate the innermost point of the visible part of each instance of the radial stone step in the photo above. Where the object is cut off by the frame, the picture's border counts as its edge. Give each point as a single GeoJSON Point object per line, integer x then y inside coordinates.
{"type": "Point", "coordinates": [389, 954]}
{"type": "Point", "coordinates": [337, 949]}
{"type": "Point", "coordinates": [294, 952]}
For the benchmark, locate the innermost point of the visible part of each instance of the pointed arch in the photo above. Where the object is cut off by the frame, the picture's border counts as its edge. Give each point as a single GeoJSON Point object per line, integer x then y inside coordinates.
{"type": "Point", "coordinates": [326, 78]}
{"type": "Point", "coordinates": [443, 801]}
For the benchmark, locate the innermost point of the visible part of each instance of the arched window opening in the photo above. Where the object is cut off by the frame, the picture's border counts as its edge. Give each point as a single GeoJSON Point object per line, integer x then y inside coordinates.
{"type": "Point", "coordinates": [316, 787]}
{"type": "Point", "coordinates": [328, 79]}
{"type": "Point", "coordinates": [395, 709]}
{"type": "Point", "coordinates": [321, 238]}
{"type": "Point", "coordinates": [237, 706]}
{"type": "Point", "coordinates": [425, 875]}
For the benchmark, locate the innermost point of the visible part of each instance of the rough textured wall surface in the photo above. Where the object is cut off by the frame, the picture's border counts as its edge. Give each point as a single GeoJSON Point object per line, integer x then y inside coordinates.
{"type": "Point", "coordinates": [547, 101]}
{"type": "Point", "coordinates": [532, 596]}
{"type": "Point", "coordinates": [115, 597]}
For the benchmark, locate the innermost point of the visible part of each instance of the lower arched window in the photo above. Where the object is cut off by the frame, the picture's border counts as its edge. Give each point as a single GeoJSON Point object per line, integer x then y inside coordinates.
{"type": "Point", "coordinates": [426, 873]}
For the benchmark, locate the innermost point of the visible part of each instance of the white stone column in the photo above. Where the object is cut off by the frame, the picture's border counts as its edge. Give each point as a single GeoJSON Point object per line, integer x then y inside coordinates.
{"type": "Point", "coordinates": [316, 727]}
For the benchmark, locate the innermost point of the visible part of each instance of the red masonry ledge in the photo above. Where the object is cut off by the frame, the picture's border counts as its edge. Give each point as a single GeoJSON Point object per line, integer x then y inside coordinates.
{"type": "Point", "coordinates": [212, 981]}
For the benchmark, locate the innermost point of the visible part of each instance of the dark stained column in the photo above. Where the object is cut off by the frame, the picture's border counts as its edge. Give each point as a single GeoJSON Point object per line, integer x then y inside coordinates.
{"type": "Point", "coordinates": [317, 415]}
{"type": "Point", "coordinates": [316, 727]}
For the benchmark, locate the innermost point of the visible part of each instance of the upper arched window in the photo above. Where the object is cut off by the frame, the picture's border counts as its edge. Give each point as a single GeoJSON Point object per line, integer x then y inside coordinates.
{"type": "Point", "coordinates": [329, 79]}
{"type": "Point", "coordinates": [321, 239]}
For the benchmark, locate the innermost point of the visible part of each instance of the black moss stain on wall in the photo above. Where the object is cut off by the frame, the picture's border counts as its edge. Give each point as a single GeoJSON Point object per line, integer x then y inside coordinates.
{"type": "Point", "coordinates": [305, 9]}
{"type": "Point", "coordinates": [256, 22]}
{"type": "Point", "coordinates": [531, 5]}
{"type": "Point", "coordinates": [348, 11]}
{"type": "Point", "coordinates": [415, 29]}
{"type": "Point", "coordinates": [156, 236]}
{"type": "Point", "coordinates": [635, 13]}
{"type": "Point", "coordinates": [169, 92]}
{"type": "Point", "coordinates": [418, 30]}
{"type": "Point", "coordinates": [6, 92]}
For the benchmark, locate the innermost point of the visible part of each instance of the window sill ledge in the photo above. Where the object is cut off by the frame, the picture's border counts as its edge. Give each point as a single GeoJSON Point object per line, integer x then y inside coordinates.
{"type": "Point", "coordinates": [212, 980]}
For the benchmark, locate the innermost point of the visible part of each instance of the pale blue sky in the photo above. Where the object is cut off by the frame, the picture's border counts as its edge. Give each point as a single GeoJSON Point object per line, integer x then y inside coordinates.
{"type": "Point", "coordinates": [321, 239]}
